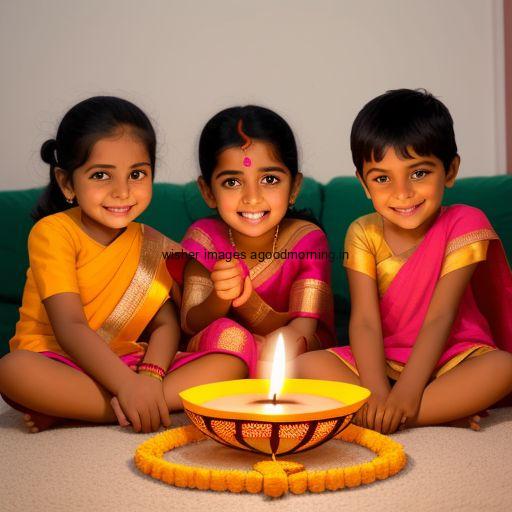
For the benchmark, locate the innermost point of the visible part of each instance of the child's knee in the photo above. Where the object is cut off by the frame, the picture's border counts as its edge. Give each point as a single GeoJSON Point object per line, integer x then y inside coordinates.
{"type": "Point", "coordinates": [14, 364]}
{"type": "Point", "coordinates": [502, 363]}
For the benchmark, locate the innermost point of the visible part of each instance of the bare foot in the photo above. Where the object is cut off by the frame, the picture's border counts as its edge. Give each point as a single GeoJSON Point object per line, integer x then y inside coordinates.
{"type": "Point", "coordinates": [37, 421]}
{"type": "Point", "coordinates": [472, 422]}
{"type": "Point", "coordinates": [34, 421]}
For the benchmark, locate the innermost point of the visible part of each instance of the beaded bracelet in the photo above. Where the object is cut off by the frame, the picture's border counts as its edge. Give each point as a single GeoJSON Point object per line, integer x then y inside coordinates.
{"type": "Point", "coordinates": [151, 374]}
{"type": "Point", "coordinates": [152, 369]}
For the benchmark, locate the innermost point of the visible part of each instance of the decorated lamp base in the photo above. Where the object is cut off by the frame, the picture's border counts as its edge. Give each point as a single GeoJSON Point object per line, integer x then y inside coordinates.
{"type": "Point", "coordinates": [273, 478]}
{"type": "Point", "coordinates": [310, 413]}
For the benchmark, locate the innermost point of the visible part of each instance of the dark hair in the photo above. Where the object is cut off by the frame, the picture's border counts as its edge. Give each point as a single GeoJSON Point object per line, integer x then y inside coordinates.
{"type": "Point", "coordinates": [400, 119]}
{"type": "Point", "coordinates": [81, 127]}
{"type": "Point", "coordinates": [222, 132]}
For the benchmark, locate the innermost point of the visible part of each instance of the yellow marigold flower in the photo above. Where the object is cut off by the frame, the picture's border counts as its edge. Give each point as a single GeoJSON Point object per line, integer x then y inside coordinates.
{"type": "Point", "coordinates": [274, 478]}
{"type": "Point", "coordinates": [253, 482]}
{"type": "Point", "coordinates": [275, 484]}
{"type": "Point", "coordinates": [181, 475]}
{"type": "Point", "coordinates": [218, 480]}
{"type": "Point", "coordinates": [168, 474]}
{"type": "Point", "coordinates": [298, 482]}
{"type": "Point", "coordinates": [316, 481]}
{"type": "Point", "coordinates": [381, 466]}
{"type": "Point", "coordinates": [352, 476]}
{"type": "Point", "coordinates": [202, 478]}
{"type": "Point", "coordinates": [235, 481]}
{"type": "Point", "coordinates": [334, 479]}
{"type": "Point", "coordinates": [367, 473]}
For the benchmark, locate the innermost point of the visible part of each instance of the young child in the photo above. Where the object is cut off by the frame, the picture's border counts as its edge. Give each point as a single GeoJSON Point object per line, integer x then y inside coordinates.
{"type": "Point", "coordinates": [260, 271]}
{"type": "Point", "coordinates": [429, 284]}
{"type": "Point", "coordinates": [98, 286]}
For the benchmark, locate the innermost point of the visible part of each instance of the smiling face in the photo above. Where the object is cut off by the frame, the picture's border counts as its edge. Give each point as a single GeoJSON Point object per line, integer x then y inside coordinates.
{"type": "Point", "coordinates": [407, 192]}
{"type": "Point", "coordinates": [251, 199]}
{"type": "Point", "coordinates": [113, 187]}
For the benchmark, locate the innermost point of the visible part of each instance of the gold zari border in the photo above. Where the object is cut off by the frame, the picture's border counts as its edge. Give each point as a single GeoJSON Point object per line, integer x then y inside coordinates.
{"type": "Point", "coordinates": [199, 236]}
{"type": "Point", "coordinates": [469, 238]}
{"type": "Point", "coordinates": [196, 290]}
{"type": "Point", "coordinates": [310, 296]}
{"type": "Point", "coordinates": [133, 297]}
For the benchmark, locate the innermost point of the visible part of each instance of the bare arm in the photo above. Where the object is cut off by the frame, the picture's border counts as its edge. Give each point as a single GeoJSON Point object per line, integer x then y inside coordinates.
{"type": "Point", "coordinates": [365, 332]}
{"type": "Point", "coordinates": [164, 331]}
{"type": "Point", "coordinates": [66, 315]}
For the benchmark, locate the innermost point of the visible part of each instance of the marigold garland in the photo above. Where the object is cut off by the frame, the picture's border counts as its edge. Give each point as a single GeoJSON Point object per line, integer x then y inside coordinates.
{"type": "Point", "coordinates": [274, 478]}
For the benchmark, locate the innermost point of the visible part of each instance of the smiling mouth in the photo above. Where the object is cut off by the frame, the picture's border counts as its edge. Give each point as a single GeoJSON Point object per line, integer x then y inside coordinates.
{"type": "Point", "coordinates": [119, 210]}
{"type": "Point", "coordinates": [253, 217]}
{"type": "Point", "coordinates": [407, 211]}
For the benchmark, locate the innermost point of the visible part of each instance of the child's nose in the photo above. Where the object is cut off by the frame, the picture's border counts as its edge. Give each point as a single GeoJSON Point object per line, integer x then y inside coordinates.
{"type": "Point", "coordinates": [121, 190]}
{"type": "Point", "coordinates": [251, 195]}
{"type": "Point", "coordinates": [403, 190]}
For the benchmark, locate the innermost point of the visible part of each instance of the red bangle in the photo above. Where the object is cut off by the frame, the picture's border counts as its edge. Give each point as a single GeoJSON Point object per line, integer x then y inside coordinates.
{"type": "Point", "coordinates": [152, 368]}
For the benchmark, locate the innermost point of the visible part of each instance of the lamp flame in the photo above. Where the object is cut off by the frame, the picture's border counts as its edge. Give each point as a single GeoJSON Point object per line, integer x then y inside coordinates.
{"type": "Point", "coordinates": [278, 370]}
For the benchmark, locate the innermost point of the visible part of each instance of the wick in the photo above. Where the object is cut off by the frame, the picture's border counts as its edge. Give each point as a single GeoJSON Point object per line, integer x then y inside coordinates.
{"type": "Point", "coordinates": [274, 399]}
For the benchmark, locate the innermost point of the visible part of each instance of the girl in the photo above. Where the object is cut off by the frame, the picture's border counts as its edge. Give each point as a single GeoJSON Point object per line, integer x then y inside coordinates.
{"type": "Point", "coordinates": [261, 272]}
{"type": "Point", "coordinates": [97, 286]}
{"type": "Point", "coordinates": [429, 285]}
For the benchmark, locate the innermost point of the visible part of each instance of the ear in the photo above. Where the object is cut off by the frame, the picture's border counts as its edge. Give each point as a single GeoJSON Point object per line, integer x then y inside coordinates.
{"type": "Point", "coordinates": [206, 192]}
{"type": "Point", "coordinates": [452, 172]}
{"type": "Point", "coordinates": [65, 184]}
{"type": "Point", "coordinates": [363, 184]}
{"type": "Point", "coordinates": [296, 186]}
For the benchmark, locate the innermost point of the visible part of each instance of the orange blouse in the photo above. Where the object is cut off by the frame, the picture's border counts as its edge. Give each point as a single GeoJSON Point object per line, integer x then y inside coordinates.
{"type": "Point", "coordinates": [121, 285]}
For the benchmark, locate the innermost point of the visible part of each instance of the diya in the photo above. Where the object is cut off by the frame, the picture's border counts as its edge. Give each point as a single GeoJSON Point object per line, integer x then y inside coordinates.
{"type": "Point", "coordinates": [274, 417]}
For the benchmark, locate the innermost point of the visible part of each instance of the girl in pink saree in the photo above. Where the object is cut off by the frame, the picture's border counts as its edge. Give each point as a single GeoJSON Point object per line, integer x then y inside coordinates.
{"type": "Point", "coordinates": [430, 285]}
{"type": "Point", "coordinates": [257, 272]}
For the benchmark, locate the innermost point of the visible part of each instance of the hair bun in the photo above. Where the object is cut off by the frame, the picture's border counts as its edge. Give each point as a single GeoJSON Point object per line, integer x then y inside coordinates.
{"type": "Point", "coordinates": [49, 152]}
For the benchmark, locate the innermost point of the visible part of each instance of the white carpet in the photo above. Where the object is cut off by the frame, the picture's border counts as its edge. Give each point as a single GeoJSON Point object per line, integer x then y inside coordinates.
{"type": "Point", "coordinates": [91, 469]}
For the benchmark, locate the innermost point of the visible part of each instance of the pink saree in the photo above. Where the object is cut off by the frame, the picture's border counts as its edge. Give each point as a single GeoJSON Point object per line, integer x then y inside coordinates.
{"type": "Point", "coordinates": [482, 319]}
{"type": "Point", "coordinates": [294, 283]}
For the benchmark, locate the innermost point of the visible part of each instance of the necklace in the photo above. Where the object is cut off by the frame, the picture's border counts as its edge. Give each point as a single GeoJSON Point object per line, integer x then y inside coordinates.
{"type": "Point", "coordinates": [274, 243]}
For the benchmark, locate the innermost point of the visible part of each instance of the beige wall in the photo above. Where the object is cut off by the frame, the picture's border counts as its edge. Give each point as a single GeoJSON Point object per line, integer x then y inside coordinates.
{"type": "Point", "coordinates": [315, 62]}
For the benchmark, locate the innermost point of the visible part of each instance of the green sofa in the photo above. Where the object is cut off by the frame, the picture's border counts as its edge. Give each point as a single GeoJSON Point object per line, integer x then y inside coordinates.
{"type": "Point", "coordinates": [174, 207]}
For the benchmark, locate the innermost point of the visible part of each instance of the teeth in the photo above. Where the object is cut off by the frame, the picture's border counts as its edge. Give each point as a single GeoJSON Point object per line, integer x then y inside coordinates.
{"type": "Point", "coordinates": [118, 210]}
{"type": "Point", "coordinates": [252, 216]}
{"type": "Point", "coordinates": [406, 210]}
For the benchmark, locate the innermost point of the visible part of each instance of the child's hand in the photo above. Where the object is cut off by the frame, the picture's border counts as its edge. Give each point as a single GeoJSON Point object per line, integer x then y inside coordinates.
{"type": "Point", "coordinates": [228, 280]}
{"type": "Point", "coordinates": [120, 415]}
{"type": "Point", "coordinates": [142, 401]}
{"type": "Point", "coordinates": [371, 414]}
{"type": "Point", "coordinates": [402, 404]}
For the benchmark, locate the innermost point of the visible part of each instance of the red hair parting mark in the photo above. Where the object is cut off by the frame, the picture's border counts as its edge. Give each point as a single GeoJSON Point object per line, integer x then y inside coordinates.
{"type": "Point", "coordinates": [246, 138]}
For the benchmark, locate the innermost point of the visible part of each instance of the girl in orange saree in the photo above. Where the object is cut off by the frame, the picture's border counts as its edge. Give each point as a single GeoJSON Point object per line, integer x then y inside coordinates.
{"type": "Point", "coordinates": [258, 271]}
{"type": "Point", "coordinates": [99, 301]}
{"type": "Point", "coordinates": [430, 285]}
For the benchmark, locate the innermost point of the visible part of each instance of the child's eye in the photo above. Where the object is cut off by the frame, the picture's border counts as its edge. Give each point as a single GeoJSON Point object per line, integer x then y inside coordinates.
{"type": "Point", "coordinates": [420, 173]}
{"type": "Point", "coordinates": [381, 179]}
{"type": "Point", "coordinates": [230, 183]}
{"type": "Point", "coordinates": [138, 175]}
{"type": "Point", "coordinates": [270, 179]}
{"type": "Point", "coordinates": [99, 175]}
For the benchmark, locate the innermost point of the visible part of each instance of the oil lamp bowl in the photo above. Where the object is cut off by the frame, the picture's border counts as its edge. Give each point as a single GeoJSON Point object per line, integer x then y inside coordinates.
{"type": "Point", "coordinates": [278, 434]}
